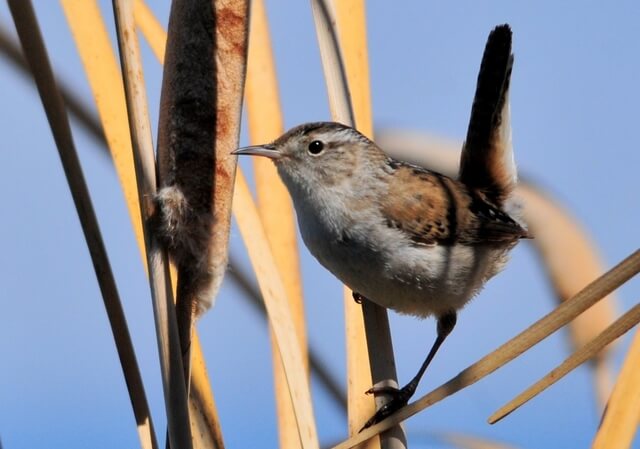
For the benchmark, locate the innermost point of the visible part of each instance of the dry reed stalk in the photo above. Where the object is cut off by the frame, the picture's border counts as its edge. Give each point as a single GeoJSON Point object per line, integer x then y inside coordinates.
{"type": "Point", "coordinates": [508, 351]}
{"type": "Point", "coordinates": [164, 310]}
{"type": "Point", "coordinates": [264, 117]}
{"type": "Point", "coordinates": [277, 305]}
{"type": "Point", "coordinates": [370, 358]}
{"type": "Point", "coordinates": [591, 349]}
{"type": "Point", "coordinates": [622, 415]}
{"type": "Point", "coordinates": [569, 256]}
{"type": "Point", "coordinates": [35, 51]}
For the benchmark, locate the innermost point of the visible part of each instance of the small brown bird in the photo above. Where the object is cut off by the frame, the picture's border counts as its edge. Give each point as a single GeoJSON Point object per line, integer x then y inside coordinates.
{"type": "Point", "coordinates": [402, 236]}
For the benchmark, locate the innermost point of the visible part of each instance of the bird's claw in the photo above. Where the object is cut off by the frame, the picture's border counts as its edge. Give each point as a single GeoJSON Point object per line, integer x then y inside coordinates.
{"type": "Point", "coordinates": [386, 410]}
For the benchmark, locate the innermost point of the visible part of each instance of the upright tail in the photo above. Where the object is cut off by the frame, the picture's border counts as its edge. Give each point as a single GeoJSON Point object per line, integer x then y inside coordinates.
{"type": "Point", "coordinates": [487, 162]}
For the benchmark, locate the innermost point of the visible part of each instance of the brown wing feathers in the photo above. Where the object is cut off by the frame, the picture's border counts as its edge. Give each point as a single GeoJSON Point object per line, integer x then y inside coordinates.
{"type": "Point", "coordinates": [434, 209]}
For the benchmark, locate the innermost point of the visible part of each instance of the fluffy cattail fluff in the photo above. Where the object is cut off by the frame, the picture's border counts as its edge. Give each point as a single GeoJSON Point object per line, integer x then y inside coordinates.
{"type": "Point", "coordinates": [186, 233]}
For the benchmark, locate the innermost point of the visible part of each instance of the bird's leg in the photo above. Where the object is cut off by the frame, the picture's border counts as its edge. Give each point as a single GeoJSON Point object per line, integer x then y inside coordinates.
{"type": "Point", "coordinates": [400, 397]}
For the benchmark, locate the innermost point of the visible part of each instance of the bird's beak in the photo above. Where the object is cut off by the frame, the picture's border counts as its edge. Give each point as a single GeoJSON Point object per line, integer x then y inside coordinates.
{"type": "Point", "coordinates": [267, 150]}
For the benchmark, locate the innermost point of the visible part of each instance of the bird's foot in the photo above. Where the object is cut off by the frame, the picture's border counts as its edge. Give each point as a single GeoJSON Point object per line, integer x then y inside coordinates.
{"type": "Point", "coordinates": [399, 398]}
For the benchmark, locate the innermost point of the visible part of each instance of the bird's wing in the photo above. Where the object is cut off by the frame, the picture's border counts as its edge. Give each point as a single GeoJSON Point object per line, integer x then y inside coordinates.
{"type": "Point", "coordinates": [487, 162]}
{"type": "Point", "coordinates": [422, 204]}
{"type": "Point", "coordinates": [433, 209]}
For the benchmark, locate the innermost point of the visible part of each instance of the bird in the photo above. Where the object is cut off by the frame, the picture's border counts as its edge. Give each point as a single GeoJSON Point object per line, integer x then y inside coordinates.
{"type": "Point", "coordinates": [400, 235]}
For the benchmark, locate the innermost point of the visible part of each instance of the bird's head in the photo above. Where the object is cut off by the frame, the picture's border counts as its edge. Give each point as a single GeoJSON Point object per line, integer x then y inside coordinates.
{"type": "Point", "coordinates": [317, 154]}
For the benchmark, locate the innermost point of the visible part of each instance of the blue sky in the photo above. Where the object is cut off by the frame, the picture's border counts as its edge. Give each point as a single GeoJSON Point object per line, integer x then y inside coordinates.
{"type": "Point", "coordinates": [574, 112]}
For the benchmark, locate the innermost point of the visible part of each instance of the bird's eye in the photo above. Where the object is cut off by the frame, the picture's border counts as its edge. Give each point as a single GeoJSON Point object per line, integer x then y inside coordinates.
{"type": "Point", "coordinates": [316, 147]}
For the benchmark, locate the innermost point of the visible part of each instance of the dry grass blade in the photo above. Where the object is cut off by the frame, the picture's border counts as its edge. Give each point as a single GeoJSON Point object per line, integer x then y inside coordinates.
{"type": "Point", "coordinates": [591, 349]}
{"type": "Point", "coordinates": [368, 328]}
{"type": "Point", "coordinates": [164, 311]}
{"type": "Point", "coordinates": [569, 256]}
{"type": "Point", "coordinates": [541, 329]}
{"type": "Point", "coordinates": [620, 421]}
{"type": "Point", "coordinates": [36, 54]}
{"type": "Point", "coordinates": [278, 311]}
{"type": "Point", "coordinates": [264, 117]}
